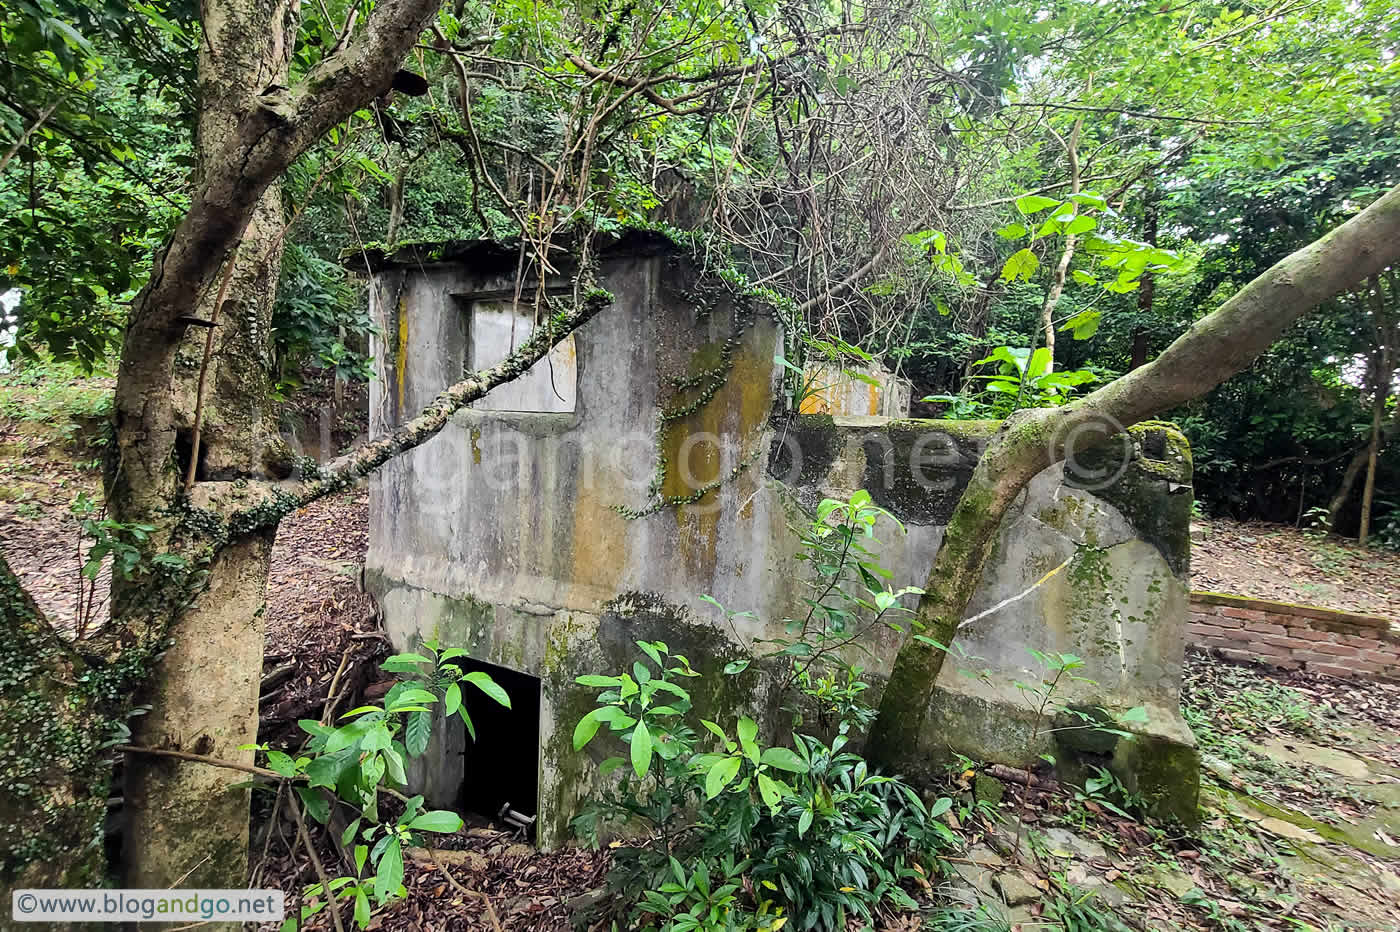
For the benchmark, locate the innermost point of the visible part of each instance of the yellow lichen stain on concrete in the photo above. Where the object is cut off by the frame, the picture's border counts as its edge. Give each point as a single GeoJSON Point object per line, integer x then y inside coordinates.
{"type": "Point", "coordinates": [401, 353]}
{"type": "Point", "coordinates": [739, 409]}
{"type": "Point", "coordinates": [476, 445]}
{"type": "Point", "coordinates": [598, 546]}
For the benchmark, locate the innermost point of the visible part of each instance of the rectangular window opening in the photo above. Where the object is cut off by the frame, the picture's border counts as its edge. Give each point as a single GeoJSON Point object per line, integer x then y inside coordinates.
{"type": "Point", "coordinates": [497, 328]}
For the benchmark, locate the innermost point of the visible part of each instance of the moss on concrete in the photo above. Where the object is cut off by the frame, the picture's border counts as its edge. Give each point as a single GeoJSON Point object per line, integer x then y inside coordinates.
{"type": "Point", "coordinates": [1152, 490]}
{"type": "Point", "coordinates": [1166, 773]}
{"type": "Point", "coordinates": [918, 469]}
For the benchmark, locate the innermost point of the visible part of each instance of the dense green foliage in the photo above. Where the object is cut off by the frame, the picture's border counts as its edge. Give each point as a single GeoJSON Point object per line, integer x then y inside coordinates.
{"type": "Point", "coordinates": [902, 173]}
{"type": "Point", "coordinates": [740, 836]}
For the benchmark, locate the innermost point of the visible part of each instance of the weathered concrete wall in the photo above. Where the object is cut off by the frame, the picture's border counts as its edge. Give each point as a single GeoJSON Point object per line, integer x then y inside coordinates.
{"type": "Point", "coordinates": [506, 533]}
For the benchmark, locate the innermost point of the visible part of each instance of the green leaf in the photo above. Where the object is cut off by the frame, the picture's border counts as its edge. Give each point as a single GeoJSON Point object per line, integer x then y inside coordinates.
{"type": "Point", "coordinates": [438, 820]}
{"type": "Point", "coordinates": [641, 750]}
{"type": "Point", "coordinates": [409, 660]}
{"type": "Point", "coordinates": [735, 667]}
{"type": "Point", "coordinates": [592, 679]}
{"type": "Point", "coordinates": [1021, 265]}
{"type": "Point", "coordinates": [1034, 203]}
{"type": "Point", "coordinates": [1137, 715]}
{"type": "Point", "coordinates": [715, 730]}
{"type": "Point", "coordinates": [348, 835]}
{"type": "Point", "coordinates": [489, 686]}
{"type": "Point", "coordinates": [768, 789]}
{"type": "Point", "coordinates": [452, 701]}
{"type": "Point", "coordinates": [804, 823]}
{"type": "Point", "coordinates": [317, 805]}
{"type": "Point", "coordinates": [586, 728]}
{"type": "Point", "coordinates": [390, 873]}
{"type": "Point", "coordinates": [720, 776]}
{"type": "Point", "coordinates": [748, 730]}
{"type": "Point", "coordinates": [362, 910]}
{"type": "Point", "coordinates": [1081, 224]}
{"type": "Point", "coordinates": [784, 759]}
{"type": "Point", "coordinates": [417, 733]}
{"type": "Point", "coordinates": [650, 652]}
{"type": "Point", "coordinates": [1084, 324]}
{"type": "Point", "coordinates": [281, 763]}
{"type": "Point", "coordinates": [1013, 231]}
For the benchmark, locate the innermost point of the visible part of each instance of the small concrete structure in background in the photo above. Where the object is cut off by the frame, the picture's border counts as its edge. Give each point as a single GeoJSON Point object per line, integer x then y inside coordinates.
{"type": "Point", "coordinates": [866, 390]}
{"type": "Point", "coordinates": [649, 462]}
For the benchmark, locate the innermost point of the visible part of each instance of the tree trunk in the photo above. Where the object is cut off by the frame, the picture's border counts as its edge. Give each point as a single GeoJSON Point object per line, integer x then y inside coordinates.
{"type": "Point", "coordinates": [1339, 500]}
{"type": "Point", "coordinates": [59, 705]}
{"type": "Point", "coordinates": [1057, 284]}
{"type": "Point", "coordinates": [1368, 491]}
{"type": "Point", "coordinates": [1148, 289]}
{"type": "Point", "coordinates": [1215, 348]}
{"type": "Point", "coordinates": [188, 826]}
{"type": "Point", "coordinates": [1385, 367]}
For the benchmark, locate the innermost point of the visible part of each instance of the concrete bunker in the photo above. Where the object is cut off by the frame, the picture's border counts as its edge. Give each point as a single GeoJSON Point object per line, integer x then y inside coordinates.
{"type": "Point", "coordinates": [547, 540]}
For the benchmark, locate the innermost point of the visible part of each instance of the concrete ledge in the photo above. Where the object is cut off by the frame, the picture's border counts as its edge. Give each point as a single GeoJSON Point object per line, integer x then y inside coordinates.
{"type": "Point", "coordinates": [1292, 637]}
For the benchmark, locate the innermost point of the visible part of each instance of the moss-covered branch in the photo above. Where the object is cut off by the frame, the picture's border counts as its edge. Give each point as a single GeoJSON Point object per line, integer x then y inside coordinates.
{"type": "Point", "coordinates": [343, 471]}
{"type": "Point", "coordinates": [1215, 348]}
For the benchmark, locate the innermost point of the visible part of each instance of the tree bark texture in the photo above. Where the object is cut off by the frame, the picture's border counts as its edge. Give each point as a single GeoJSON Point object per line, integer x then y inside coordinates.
{"type": "Point", "coordinates": [54, 789]}
{"type": "Point", "coordinates": [1386, 336]}
{"type": "Point", "coordinates": [1215, 348]}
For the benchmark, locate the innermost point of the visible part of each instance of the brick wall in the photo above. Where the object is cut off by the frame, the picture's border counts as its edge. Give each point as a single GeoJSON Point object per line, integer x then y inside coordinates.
{"type": "Point", "coordinates": [1295, 636]}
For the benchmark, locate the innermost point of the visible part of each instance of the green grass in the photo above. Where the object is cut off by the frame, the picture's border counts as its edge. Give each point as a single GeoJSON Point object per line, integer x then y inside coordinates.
{"type": "Point", "coordinates": [55, 393]}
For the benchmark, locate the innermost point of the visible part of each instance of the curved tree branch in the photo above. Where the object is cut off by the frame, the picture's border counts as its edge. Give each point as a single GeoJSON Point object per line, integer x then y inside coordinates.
{"type": "Point", "coordinates": [1216, 347]}
{"type": "Point", "coordinates": [280, 125]}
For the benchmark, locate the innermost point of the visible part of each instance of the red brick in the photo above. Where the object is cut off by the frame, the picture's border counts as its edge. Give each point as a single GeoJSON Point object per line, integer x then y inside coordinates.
{"type": "Point", "coordinates": [1331, 669]}
{"type": "Point", "coordinates": [1358, 641]}
{"type": "Point", "coordinates": [1248, 614]}
{"type": "Point", "coordinates": [1311, 657]}
{"type": "Point", "coordinates": [1200, 630]}
{"type": "Point", "coordinates": [1384, 657]}
{"type": "Point", "coordinates": [1240, 655]}
{"type": "Point", "coordinates": [1263, 627]}
{"type": "Point", "coordinates": [1292, 643]}
{"type": "Point", "coordinates": [1339, 650]}
{"type": "Point", "coordinates": [1310, 634]}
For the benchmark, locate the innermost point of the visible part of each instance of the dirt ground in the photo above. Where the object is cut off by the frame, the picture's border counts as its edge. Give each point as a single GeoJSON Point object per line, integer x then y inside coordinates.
{"type": "Point", "coordinates": [1278, 561]}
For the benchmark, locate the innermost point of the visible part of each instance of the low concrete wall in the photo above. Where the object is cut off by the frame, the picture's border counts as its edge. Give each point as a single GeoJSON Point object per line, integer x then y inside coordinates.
{"type": "Point", "coordinates": [1293, 637]}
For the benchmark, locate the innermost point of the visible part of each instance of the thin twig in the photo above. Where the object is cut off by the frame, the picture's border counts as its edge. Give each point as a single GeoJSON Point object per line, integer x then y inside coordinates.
{"type": "Point", "coordinates": [490, 910]}
{"type": "Point", "coordinates": [316, 863]}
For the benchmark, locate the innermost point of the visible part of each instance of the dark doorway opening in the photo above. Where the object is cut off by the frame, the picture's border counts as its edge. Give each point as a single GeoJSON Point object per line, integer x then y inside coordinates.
{"type": "Point", "coordinates": [501, 767]}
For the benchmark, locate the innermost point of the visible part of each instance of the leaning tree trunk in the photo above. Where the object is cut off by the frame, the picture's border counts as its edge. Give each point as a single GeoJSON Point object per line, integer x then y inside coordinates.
{"type": "Point", "coordinates": [1057, 281]}
{"type": "Point", "coordinates": [1215, 348]}
{"type": "Point", "coordinates": [60, 706]}
{"type": "Point", "coordinates": [1384, 375]}
{"type": "Point", "coordinates": [189, 825]}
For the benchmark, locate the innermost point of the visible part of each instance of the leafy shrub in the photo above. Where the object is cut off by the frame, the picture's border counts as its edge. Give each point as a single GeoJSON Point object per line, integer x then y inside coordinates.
{"type": "Point", "coordinates": [353, 764]}
{"type": "Point", "coordinates": [743, 836]}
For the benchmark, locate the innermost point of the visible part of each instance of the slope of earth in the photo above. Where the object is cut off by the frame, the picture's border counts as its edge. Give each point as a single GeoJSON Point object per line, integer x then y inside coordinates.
{"type": "Point", "coordinates": [1278, 561]}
